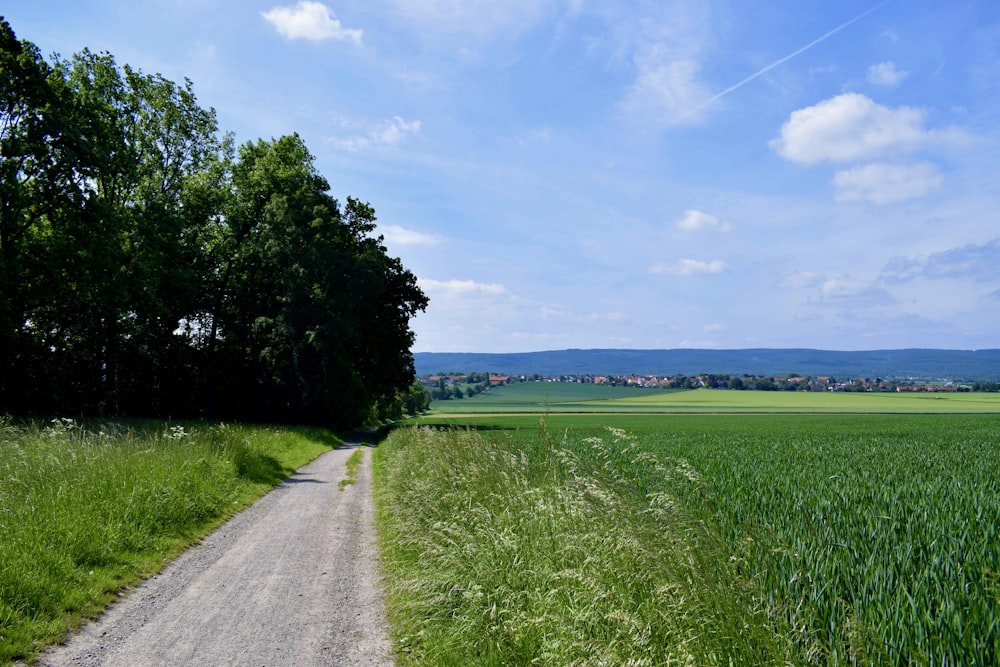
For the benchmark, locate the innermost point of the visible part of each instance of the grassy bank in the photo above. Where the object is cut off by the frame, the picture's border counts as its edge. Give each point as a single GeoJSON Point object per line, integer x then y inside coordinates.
{"type": "Point", "coordinates": [87, 510]}
{"type": "Point", "coordinates": [502, 551]}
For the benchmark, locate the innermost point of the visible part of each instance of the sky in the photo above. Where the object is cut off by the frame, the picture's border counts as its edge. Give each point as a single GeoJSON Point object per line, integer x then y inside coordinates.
{"type": "Point", "coordinates": [637, 174]}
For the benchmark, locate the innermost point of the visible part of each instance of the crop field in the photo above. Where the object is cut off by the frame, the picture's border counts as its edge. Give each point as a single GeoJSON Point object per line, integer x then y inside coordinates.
{"type": "Point", "coordinates": [561, 397]}
{"type": "Point", "coordinates": [535, 396]}
{"type": "Point", "coordinates": [859, 538]}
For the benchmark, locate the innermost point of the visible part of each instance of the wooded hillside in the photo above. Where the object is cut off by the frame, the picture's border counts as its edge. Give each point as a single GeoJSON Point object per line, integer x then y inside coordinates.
{"type": "Point", "coordinates": [917, 363]}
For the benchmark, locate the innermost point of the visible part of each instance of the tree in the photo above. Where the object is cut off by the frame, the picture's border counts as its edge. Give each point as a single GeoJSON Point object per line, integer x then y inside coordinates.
{"type": "Point", "coordinates": [145, 245]}
{"type": "Point", "coordinates": [417, 399]}
{"type": "Point", "coordinates": [45, 164]}
{"type": "Point", "coordinates": [314, 312]}
{"type": "Point", "coordinates": [146, 269]}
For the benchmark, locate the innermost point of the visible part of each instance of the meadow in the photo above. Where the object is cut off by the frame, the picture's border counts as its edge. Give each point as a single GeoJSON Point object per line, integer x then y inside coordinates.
{"type": "Point", "coordinates": [88, 509]}
{"type": "Point", "coordinates": [764, 536]}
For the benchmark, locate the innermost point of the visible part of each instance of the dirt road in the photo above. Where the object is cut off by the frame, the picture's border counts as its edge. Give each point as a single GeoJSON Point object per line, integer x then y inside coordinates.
{"type": "Point", "coordinates": [292, 580]}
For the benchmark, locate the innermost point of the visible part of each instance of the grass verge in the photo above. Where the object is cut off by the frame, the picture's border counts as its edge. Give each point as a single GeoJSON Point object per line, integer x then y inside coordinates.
{"type": "Point", "coordinates": [501, 552]}
{"type": "Point", "coordinates": [88, 510]}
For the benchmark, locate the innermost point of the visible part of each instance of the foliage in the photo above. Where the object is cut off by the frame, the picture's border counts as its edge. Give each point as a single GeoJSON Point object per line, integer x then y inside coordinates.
{"type": "Point", "coordinates": [88, 509]}
{"type": "Point", "coordinates": [146, 267]}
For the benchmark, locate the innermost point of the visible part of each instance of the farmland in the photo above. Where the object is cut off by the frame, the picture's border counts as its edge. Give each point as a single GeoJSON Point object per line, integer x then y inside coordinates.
{"type": "Point", "coordinates": [561, 397]}
{"type": "Point", "coordinates": [816, 529]}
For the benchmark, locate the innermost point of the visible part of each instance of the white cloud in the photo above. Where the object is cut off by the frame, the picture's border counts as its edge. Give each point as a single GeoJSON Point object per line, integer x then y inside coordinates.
{"type": "Point", "coordinates": [396, 129]}
{"type": "Point", "coordinates": [395, 235]}
{"type": "Point", "coordinates": [695, 220]}
{"type": "Point", "coordinates": [461, 289]}
{"type": "Point", "coordinates": [388, 133]}
{"type": "Point", "coordinates": [886, 183]}
{"type": "Point", "coordinates": [886, 74]}
{"type": "Point", "coordinates": [690, 267]}
{"type": "Point", "coordinates": [309, 20]}
{"type": "Point", "coordinates": [853, 127]}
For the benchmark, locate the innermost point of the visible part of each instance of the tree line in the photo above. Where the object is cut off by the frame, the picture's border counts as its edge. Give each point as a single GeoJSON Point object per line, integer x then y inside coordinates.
{"type": "Point", "coordinates": [149, 266]}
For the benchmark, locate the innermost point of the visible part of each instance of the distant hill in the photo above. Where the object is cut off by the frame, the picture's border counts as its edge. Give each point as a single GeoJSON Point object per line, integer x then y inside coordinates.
{"type": "Point", "coordinates": [968, 365]}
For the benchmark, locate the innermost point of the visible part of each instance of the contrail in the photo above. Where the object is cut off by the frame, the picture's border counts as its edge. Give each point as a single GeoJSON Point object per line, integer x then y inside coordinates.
{"type": "Point", "coordinates": [767, 69]}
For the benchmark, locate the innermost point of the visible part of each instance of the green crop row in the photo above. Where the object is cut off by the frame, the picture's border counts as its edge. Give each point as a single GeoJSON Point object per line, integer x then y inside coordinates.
{"type": "Point", "coordinates": [871, 539]}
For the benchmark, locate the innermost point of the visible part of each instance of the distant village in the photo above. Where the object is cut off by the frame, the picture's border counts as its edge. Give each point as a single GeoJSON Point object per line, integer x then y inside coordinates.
{"type": "Point", "coordinates": [456, 385]}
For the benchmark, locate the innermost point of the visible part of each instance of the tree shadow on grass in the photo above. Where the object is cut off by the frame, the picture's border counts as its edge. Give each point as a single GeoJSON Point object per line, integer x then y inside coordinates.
{"type": "Point", "coordinates": [258, 467]}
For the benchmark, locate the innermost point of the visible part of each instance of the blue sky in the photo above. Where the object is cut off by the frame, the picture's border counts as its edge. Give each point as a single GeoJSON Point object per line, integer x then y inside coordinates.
{"type": "Point", "coordinates": [581, 174]}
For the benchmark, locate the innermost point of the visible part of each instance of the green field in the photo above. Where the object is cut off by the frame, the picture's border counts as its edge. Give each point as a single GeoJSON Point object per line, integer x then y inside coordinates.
{"type": "Point", "coordinates": [830, 529]}
{"type": "Point", "coordinates": [563, 397]}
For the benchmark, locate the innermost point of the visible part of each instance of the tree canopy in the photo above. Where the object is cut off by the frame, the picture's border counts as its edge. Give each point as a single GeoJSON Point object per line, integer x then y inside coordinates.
{"type": "Point", "coordinates": [149, 267]}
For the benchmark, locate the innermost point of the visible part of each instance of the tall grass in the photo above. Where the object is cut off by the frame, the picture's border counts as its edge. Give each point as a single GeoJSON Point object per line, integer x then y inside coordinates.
{"type": "Point", "coordinates": [502, 551]}
{"type": "Point", "coordinates": [872, 538]}
{"type": "Point", "coordinates": [85, 511]}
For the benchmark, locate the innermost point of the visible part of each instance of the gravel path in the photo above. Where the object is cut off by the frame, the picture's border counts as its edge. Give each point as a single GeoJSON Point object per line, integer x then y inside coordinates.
{"type": "Point", "coordinates": [292, 580]}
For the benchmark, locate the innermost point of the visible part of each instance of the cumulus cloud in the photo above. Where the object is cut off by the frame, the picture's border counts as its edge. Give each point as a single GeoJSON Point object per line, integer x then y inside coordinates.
{"type": "Point", "coordinates": [886, 183]}
{"type": "Point", "coordinates": [395, 235]}
{"type": "Point", "coordinates": [690, 267]}
{"type": "Point", "coordinates": [886, 74]}
{"type": "Point", "coordinates": [695, 220]}
{"type": "Point", "coordinates": [309, 20]}
{"type": "Point", "coordinates": [387, 133]}
{"type": "Point", "coordinates": [852, 127]}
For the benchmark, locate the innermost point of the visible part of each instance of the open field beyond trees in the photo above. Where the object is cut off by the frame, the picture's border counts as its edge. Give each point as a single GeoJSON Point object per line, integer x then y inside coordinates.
{"type": "Point", "coordinates": [841, 536]}
{"type": "Point", "coordinates": [566, 397]}
{"type": "Point", "coordinates": [88, 510]}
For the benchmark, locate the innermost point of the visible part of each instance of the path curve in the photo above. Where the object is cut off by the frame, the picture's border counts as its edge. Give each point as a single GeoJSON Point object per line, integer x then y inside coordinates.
{"type": "Point", "coordinates": [291, 580]}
